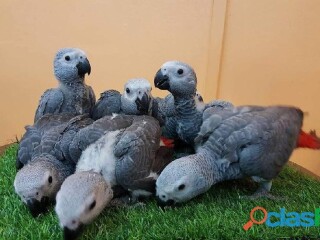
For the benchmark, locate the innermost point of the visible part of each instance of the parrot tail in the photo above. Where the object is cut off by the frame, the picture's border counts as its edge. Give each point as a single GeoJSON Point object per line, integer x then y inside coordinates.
{"type": "Point", "coordinates": [308, 140]}
{"type": "Point", "coordinates": [166, 142]}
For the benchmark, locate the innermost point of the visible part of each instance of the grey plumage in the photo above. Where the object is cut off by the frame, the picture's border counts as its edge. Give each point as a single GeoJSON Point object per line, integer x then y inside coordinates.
{"type": "Point", "coordinates": [136, 140]}
{"type": "Point", "coordinates": [72, 95]}
{"type": "Point", "coordinates": [34, 133]}
{"type": "Point", "coordinates": [180, 79]}
{"type": "Point", "coordinates": [135, 100]}
{"type": "Point", "coordinates": [261, 139]}
{"type": "Point", "coordinates": [233, 143]}
{"type": "Point", "coordinates": [44, 152]}
{"type": "Point", "coordinates": [124, 151]}
{"type": "Point", "coordinates": [96, 130]}
{"type": "Point", "coordinates": [163, 109]}
{"type": "Point", "coordinates": [108, 103]}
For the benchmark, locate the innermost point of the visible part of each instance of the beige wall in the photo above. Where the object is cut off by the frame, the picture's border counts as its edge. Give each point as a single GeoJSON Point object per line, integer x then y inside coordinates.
{"type": "Point", "coordinates": [247, 51]}
{"type": "Point", "coordinates": [123, 39]}
{"type": "Point", "coordinates": [271, 55]}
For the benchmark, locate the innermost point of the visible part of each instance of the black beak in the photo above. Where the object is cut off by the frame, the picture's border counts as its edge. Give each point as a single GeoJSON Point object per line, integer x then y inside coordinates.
{"type": "Point", "coordinates": [161, 81]}
{"type": "Point", "coordinates": [37, 207]}
{"type": "Point", "coordinates": [163, 204]}
{"type": "Point", "coordinates": [69, 234]}
{"type": "Point", "coordinates": [143, 104]}
{"type": "Point", "coordinates": [84, 67]}
{"type": "Point", "coordinates": [19, 164]}
{"type": "Point", "coordinates": [200, 98]}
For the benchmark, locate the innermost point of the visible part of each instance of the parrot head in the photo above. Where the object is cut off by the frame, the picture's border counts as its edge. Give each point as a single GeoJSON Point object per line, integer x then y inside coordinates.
{"type": "Point", "coordinates": [71, 65]}
{"type": "Point", "coordinates": [180, 181]}
{"type": "Point", "coordinates": [176, 77]}
{"type": "Point", "coordinates": [136, 98]}
{"type": "Point", "coordinates": [37, 184]}
{"type": "Point", "coordinates": [80, 200]}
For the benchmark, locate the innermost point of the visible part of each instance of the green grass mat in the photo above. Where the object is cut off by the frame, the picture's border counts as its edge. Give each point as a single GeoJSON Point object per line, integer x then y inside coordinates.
{"type": "Point", "coordinates": [218, 214]}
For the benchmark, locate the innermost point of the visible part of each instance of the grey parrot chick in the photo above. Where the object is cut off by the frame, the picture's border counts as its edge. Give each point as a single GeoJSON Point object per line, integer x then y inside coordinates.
{"type": "Point", "coordinates": [127, 154]}
{"type": "Point", "coordinates": [180, 79]}
{"type": "Point", "coordinates": [38, 182]}
{"type": "Point", "coordinates": [45, 158]}
{"type": "Point", "coordinates": [245, 141]}
{"type": "Point", "coordinates": [89, 186]}
{"type": "Point", "coordinates": [136, 99]}
{"type": "Point", "coordinates": [72, 95]}
{"type": "Point", "coordinates": [90, 195]}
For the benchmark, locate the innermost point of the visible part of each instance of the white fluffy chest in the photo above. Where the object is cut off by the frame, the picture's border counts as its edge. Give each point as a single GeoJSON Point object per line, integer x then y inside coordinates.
{"type": "Point", "coordinates": [99, 157]}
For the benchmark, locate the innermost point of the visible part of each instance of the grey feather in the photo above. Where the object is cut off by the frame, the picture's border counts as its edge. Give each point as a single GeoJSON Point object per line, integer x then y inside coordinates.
{"type": "Point", "coordinates": [32, 138]}
{"type": "Point", "coordinates": [236, 142]}
{"type": "Point", "coordinates": [136, 151]}
{"type": "Point", "coordinates": [96, 130]}
{"type": "Point", "coordinates": [123, 155]}
{"type": "Point", "coordinates": [46, 162]}
{"type": "Point", "coordinates": [108, 103]}
{"type": "Point", "coordinates": [180, 79]}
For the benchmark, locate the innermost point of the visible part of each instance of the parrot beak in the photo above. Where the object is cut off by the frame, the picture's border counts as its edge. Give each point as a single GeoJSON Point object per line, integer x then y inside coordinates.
{"type": "Point", "coordinates": [37, 207]}
{"type": "Point", "coordinates": [19, 165]}
{"type": "Point", "coordinates": [143, 104]}
{"type": "Point", "coordinates": [161, 81]}
{"type": "Point", "coordinates": [69, 234]}
{"type": "Point", "coordinates": [84, 67]}
{"type": "Point", "coordinates": [162, 204]}
{"type": "Point", "coordinates": [200, 98]}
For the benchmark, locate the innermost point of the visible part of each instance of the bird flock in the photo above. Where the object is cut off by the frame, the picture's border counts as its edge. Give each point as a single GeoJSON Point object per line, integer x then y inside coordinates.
{"type": "Point", "coordinates": [85, 155]}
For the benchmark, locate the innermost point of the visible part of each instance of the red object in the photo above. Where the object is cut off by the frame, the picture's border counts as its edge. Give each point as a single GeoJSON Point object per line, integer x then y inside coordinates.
{"type": "Point", "coordinates": [308, 140]}
{"type": "Point", "coordinates": [167, 142]}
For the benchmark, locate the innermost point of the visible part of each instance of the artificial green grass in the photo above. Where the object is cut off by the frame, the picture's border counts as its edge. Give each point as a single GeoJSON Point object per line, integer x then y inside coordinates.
{"type": "Point", "coordinates": [218, 214]}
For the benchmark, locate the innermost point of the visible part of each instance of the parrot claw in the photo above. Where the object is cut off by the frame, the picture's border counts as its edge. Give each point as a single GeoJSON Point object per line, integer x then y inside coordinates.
{"type": "Point", "coordinates": [264, 193]}
{"type": "Point", "coordinates": [118, 202]}
{"type": "Point", "coordinates": [138, 205]}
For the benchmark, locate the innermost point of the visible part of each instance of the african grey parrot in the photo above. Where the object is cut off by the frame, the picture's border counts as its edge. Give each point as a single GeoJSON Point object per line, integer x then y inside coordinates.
{"type": "Point", "coordinates": [180, 79]}
{"type": "Point", "coordinates": [233, 143]}
{"type": "Point", "coordinates": [44, 158]}
{"type": "Point", "coordinates": [135, 100]}
{"type": "Point", "coordinates": [72, 95]}
{"type": "Point", "coordinates": [127, 153]}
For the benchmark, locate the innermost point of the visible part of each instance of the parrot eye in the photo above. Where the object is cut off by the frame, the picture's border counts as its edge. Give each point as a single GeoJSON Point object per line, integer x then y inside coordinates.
{"type": "Point", "coordinates": [92, 205]}
{"type": "Point", "coordinates": [181, 187]}
{"type": "Point", "coordinates": [127, 90]}
{"type": "Point", "coordinates": [50, 179]}
{"type": "Point", "coordinates": [67, 58]}
{"type": "Point", "coordinates": [180, 71]}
